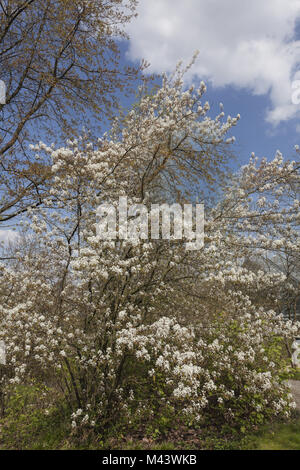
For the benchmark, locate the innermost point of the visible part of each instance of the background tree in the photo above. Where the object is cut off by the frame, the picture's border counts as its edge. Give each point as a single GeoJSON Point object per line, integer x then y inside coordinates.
{"type": "Point", "coordinates": [60, 62]}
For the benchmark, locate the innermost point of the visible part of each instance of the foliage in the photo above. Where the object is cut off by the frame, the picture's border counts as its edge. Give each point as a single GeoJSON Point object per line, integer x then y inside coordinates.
{"type": "Point", "coordinates": [31, 422]}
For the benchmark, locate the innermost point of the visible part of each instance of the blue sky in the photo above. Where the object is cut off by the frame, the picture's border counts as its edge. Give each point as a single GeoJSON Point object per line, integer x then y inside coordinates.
{"type": "Point", "coordinates": [253, 133]}
{"type": "Point", "coordinates": [249, 55]}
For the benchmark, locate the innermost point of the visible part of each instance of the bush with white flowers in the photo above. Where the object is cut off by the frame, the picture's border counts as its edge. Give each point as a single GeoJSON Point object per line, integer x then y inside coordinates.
{"type": "Point", "coordinates": [125, 330]}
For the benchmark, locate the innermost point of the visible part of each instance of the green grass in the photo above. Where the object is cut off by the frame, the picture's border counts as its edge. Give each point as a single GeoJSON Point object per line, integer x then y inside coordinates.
{"type": "Point", "coordinates": [285, 436]}
{"type": "Point", "coordinates": [280, 436]}
{"type": "Point", "coordinates": [295, 375]}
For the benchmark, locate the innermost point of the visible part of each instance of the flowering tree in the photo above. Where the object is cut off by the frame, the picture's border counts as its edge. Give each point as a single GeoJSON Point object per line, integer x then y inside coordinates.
{"type": "Point", "coordinates": [129, 328]}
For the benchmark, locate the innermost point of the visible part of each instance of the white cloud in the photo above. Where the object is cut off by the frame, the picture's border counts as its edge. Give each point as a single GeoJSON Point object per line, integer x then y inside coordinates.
{"type": "Point", "coordinates": [245, 44]}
